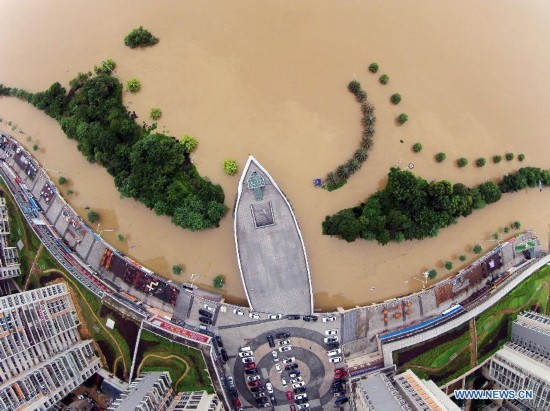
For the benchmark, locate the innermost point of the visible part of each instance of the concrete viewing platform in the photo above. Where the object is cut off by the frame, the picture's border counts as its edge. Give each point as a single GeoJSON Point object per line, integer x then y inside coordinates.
{"type": "Point", "coordinates": [270, 250]}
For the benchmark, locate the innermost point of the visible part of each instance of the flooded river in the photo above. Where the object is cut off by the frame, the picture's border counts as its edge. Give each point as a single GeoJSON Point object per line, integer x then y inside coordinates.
{"type": "Point", "coordinates": [269, 78]}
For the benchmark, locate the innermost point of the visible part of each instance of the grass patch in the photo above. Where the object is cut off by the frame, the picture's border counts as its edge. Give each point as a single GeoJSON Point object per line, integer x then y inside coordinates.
{"type": "Point", "coordinates": [197, 377]}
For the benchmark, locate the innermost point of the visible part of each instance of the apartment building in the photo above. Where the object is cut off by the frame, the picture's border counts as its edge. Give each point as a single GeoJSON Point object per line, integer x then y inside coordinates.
{"type": "Point", "coordinates": [42, 357]}
{"type": "Point", "coordinates": [195, 400]}
{"type": "Point", "coordinates": [151, 391]}
{"type": "Point", "coordinates": [9, 260]}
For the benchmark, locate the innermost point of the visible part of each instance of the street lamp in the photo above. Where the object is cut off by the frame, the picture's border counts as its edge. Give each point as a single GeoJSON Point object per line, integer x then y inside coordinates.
{"type": "Point", "coordinates": [105, 229]}
{"type": "Point", "coordinates": [426, 275]}
{"type": "Point", "coordinates": [49, 169]}
{"type": "Point", "coordinates": [193, 278]}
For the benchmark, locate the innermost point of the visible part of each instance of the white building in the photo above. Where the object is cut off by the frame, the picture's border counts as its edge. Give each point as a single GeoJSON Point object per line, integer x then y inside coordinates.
{"type": "Point", "coordinates": [9, 261]}
{"type": "Point", "coordinates": [151, 391]}
{"type": "Point", "coordinates": [195, 400]}
{"type": "Point", "coordinates": [42, 357]}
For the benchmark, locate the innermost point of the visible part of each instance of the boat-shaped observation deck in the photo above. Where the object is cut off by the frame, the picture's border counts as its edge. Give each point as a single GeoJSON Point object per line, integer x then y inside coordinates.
{"type": "Point", "coordinates": [270, 250]}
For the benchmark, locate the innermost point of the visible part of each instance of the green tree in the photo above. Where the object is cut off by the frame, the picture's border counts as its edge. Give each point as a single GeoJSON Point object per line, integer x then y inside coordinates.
{"type": "Point", "coordinates": [361, 154]}
{"type": "Point", "coordinates": [373, 67]}
{"type": "Point", "coordinates": [462, 258]}
{"type": "Point", "coordinates": [35, 147]}
{"type": "Point", "coordinates": [70, 192]}
{"type": "Point", "coordinates": [219, 281]}
{"type": "Point", "coordinates": [140, 38]}
{"type": "Point", "coordinates": [521, 157]}
{"type": "Point", "coordinates": [133, 85]}
{"type": "Point", "coordinates": [354, 86]}
{"type": "Point", "coordinates": [189, 142]}
{"type": "Point", "coordinates": [120, 237]}
{"type": "Point", "coordinates": [495, 236]}
{"type": "Point", "coordinates": [509, 156]}
{"type": "Point", "coordinates": [448, 265]}
{"type": "Point", "coordinates": [62, 180]}
{"type": "Point", "coordinates": [477, 249]}
{"type": "Point", "coordinates": [480, 162]}
{"type": "Point", "coordinates": [432, 274]}
{"type": "Point", "coordinates": [402, 118]}
{"type": "Point", "coordinates": [497, 159]}
{"type": "Point", "coordinates": [384, 79]}
{"type": "Point", "coordinates": [490, 192]}
{"type": "Point", "coordinates": [506, 230]}
{"type": "Point", "coordinates": [177, 269]}
{"type": "Point", "coordinates": [440, 157]}
{"type": "Point", "coordinates": [93, 216]}
{"type": "Point", "coordinates": [516, 225]}
{"type": "Point", "coordinates": [417, 147]}
{"type": "Point", "coordinates": [462, 162]}
{"type": "Point", "coordinates": [395, 98]}
{"type": "Point", "coordinates": [343, 172]}
{"type": "Point", "coordinates": [155, 113]}
{"type": "Point", "coordinates": [230, 167]}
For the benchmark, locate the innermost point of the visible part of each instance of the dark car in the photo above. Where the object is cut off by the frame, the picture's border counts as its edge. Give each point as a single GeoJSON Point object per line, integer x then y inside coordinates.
{"type": "Point", "coordinates": [293, 317]}
{"type": "Point", "coordinates": [306, 318]}
{"type": "Point", "coordinates": [218, 340]}
{"type": "Point", "coordinates": [341, 400]}
{"type": "Point", "coordinates": [332, 346]}
{"type": "Point", "coordinates": [257, 389]}
{"type": "Point", "coordinates": [299, 390]}
{"type": "Point", "coordinates": [234, 393]}
{"type": "Point", "coordinates": [273, 399]}
{"type": "Point", "coordinates": [271, 341]}
{"type": "Point", "coordinates": [283, 335]}
{"type": "Point", "coordinates": [224, 355]}
{"type": "Point", "coordinates": [205, 320]}
{"type": "Point", "coordinates": [205, 313]}
{"type": "Point", "coordinates": [254, 383]}
{"type": "Point", "coordinates": [250, 365]}
{"type": "Point", "coordinates": [252, 371]}
{"type": "Point", "coordinates": [291, 367]}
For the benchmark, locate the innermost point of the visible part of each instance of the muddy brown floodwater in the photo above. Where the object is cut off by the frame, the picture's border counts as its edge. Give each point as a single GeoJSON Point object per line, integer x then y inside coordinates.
{"type": "Point", "coordinates": [269, 78]}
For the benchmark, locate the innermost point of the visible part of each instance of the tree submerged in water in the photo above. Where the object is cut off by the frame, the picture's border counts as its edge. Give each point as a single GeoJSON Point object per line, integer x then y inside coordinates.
{"type": "Point", "coordinates": [140, 38]}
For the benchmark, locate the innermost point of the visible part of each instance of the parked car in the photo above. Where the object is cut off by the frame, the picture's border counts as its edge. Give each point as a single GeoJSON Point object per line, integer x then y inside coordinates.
{"type": "Point", "coordinates": [218, 340]}
{"type": "Point", "coordinates": [245, 349]}
{"type": "Point", "coordinates": [211, 309]}
{"type": "Point", "coordinates": [246, 354]}
{"type": "Point", "coordinates": [295, 380]}
{"type": "Point", "coordinates": [303, 406]}
{"type": "Point", "coordinates": [332, 345]}
{"type": "Point", "coordinates": [205, 313]}
{"type": "Point", "coordinates": [292, 407]}
{"type": "Point", "coordinates": [278, 368]}
{"type": "Point", "coordinates": [285, 348]}
{"type": "Point", "coordinates": [335, 359]}
{"type": "Point", "coordinates": [329, 319]}
{"type": "Point", "coordinates": [293, 317]}
{"type": "Point", "coordinates": [300, 396]}
{"type": "Point", "coordinates": [283, 335]}
{"type": "Point", "coordinates": [258, 395]}
{"type": "Point", "coordinates": [332, 353]}
{"type": "Point", "coordinates": [301, 401]}
{"type": "Point", "coordinates": [289, 367]}
{"type": "Point", "coordinates": [299, 390]}
{"type": "Point", "coordinates": [283, 382]}
{"type": "Point", "coordinates": [275, 355]}
{"type": "Point", "coordinates": [248, 360]}
{"type": "Point", "coordinates": [294, 374]}
{"type": "Point", "coordinates": [328, 340]}
{"type": "Point", "coordinates": [273, 399]}
{"type": "Point", "coordinates": [298, 384]}
{"type": "Point", "coordinates": [284, 342]}
{"type": "Point", "coordinates": [310, 318]}
{"type": "Point", "coordinates": [289, 360]}
{"type": "Point", "coordinates": [250, 365]}
{"type": "Point", "coordinates": [270, 341]}
{"type": "Point", "coordinates": [230, 381]}
{"type": "Point", "coordinates": [253, 315]}
{"type": "Point", "coordinates": [269, 387]}
{"type": "Point", "coordinates": [254, 383]}
{"type": "Point", "coordinates": [251, 371]}
{"type": "Point", "coordinates": [224, 355]}
{"type": "Point", "coordinates": [237, 311]}
{"type": "Point", "coordinates": [331, 332]}
{"type": "Point", "coordinates": [205, 320]}
{"type": "Point", "coordinates": [257, 389]}
{"type": "Point", "coordinates": [341, 400]}
{"type": "Point", "coordinates": [275, 316]}
{"type": "Point", "coordinates": [289, 395]}
{"type": "Point", "coordinates": [237, 402]}
{"type": "Point", "coordinates": [253, 378]}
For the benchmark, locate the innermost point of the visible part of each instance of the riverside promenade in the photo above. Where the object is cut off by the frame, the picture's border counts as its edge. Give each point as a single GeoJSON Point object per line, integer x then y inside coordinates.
{"type": "Point", "coordinates": [270, 249]}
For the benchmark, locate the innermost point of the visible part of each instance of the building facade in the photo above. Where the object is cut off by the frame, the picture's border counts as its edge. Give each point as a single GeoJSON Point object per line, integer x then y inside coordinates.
{"type": "Point", "coordinates": [195, 400]}
{"type": "Point", "coordinates": [9, 260]}
{"type": "Point", "coordinates": [42, 357]}
{"type": "Point", "coordinates": [151, 391]}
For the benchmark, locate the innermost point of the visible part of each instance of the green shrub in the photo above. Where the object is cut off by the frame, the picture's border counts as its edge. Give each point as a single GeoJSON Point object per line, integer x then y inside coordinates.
{"type": "Point", "coordinates": [395, 98]}
{"type": "Point", "coordinates": [219, 281]}
{"type": "Point", "coordinates": [70, 192]}
{"type": "Point", "coordinates": [93, 216]}
{"type": "Point", "coordinates": [506, 230]}
{"type": "Point", "coordinates": [133, 85]}
{"type": "Point", "coordinates": [189, 142]}
{"type": "Point", "coordinates": [155, 113]}
{"type": "Point", "coordinates": [176, 269]}
{"type": "Point", "coordinates": [230, 167]}
{"type": "Point", "coordinates": [440, 157]}
{"type": "Point", "coordinates": [61, 180]}
{"type": "Point", "coordinates": [462, 258]}
{"type": "Point", "coordinates": [402, 118]}
{"type": "Point", "coordinates": [120, 237]}
{"type": "Point", "coordinates": [516, 225]}
{"type": "Point", "coordinates": [361, 96]}
{"type": "Point", "coordinates": [354, 86]}
{"type": "Point", "coordinates": [509, 156]}
{"type": "Point", "coordinates": [35, 147]}
{"type": "Point", "coordinates": [106, 67]}
{"type": "Point", "coordinates": [477, 249]}
{"type": "Point", "coordinates": [495, 236]}
{"type": "Point", "coordinates": [497, 159]}
{"type": "Point", "coordinates": [373, 67]}
{"type": "Point", "coordinates": [480, 162]}
{"type": "Point", "coordinates": [432, 274]}
{"type": "Point", "coordinates": [521, 157]}
{"type": "Point", "coordinates": [417, 147]}
{"type": "Point", "coordinates": [449, 265]}
{"type": "Point", "coordinates": [384, 79]}
{"type": "Point", "coordinates": [140, 38]}
{"type": "Point", "coordinates": [462, 162]}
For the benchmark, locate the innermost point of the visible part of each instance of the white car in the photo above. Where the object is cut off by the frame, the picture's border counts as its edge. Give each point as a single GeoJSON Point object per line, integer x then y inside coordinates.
{"type": "Point", "coordinates": [245, 349]}
{"type": "Point", "coordinates": [332, 353]}
{"type": "Point", "coordinates": [285, 348]}
{"type": "Point", "coordinates": [278, 368]}
{"type": "Point", "coordinates": [328, 340]}
{"type": "Point", "coordinates": [300, 396]}
{"type": "Point", "coordinates": [284, 342]}
{"type": "Point", "coordinates": [246, 354]}
{"type": "Point", "coordinates": [298, 384]}
{"type": "Point", "coordinates": [329, 319]}
{"type": "Point", "coordinates": [303, 406]}
{"type": "Point", "coordinates": [253, 377]}
{"type": "Point", "coordinates": [331, 332]}
{"type": "Point", "coordinates": [283, 382]}
{"type": "Point", "coordinates": [231, 381]}
{"type": "Point", "coordinates": [289, 360]}
{"type": "Point", "coordinates": [237, 311]}
{"type": "Point", "coordinates": [247, 360]}
{"type": "Point", "coordinates": [335, 359]}
{"type": "Point", "coordinates": [269, 387]}
{"type": "Point", "coordinates": [253, 315]}
{"type": "Point", "coordinates": [211, 309]}
{"type": "Point", "coordinates": [295, 380]}
{"type": "Point", "coordinates": [275, 316]}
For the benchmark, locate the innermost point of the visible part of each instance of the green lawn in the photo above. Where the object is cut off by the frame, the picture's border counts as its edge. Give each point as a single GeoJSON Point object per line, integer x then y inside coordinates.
{"type": "Point", "coordinates": [197, 377]}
